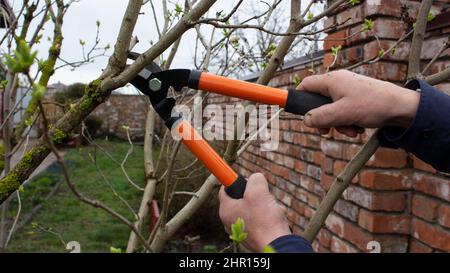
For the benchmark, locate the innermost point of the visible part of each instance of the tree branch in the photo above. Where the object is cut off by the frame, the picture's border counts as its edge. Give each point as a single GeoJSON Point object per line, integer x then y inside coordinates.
{"type": "Point", "coordinates": [417, 41]}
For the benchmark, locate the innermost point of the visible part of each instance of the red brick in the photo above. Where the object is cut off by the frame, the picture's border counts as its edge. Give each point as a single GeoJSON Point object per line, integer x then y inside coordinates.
{"type": "Point", "coordinates": [284, 125]}
{"type": "Point", "coordinates": [432, 235]}
{"type": "Point", "coordinates": [298, 206]}
{"type": "Point", "coordinates": [357, 236]}
{"type": "Point", "coordinates": [293, 216]}
{"type": "Point", "coordinates": [431, 46]}
{"type": "Point", "coordinates": [324, 237]}
{"type": "Point", "coordinates": [349, 56]}
{"type": "Point", "coordinates": [300, 166]}
{"type": "Point", "coordinates": [339, 136]}
{"type": "Point", "coordinates": [384, 28]}
{"type": "Point", "coordinates": [313, 171]}
{"type": "Point", "coordinates": [338, 166]}
{"type": "Point", "coordinates": [350, 16]}
{"type": "Point", "coordinates": [391, 7]}
{"type": "Point", "coordinates": [309, 212]}
{"type": "Point", "coordinates": [327, 165]}
{"type": "Point", "coordinates": [386, 71]}
{"type": "Point", "coordinates": [329, 22]}
{"type": "Point", "coordinates": [335, 224]}
{"type": "Point", "coordinates": [335, 39]}
{"type": "Point", "coordinates": [444, 215]}
{"type": "Point", "coordinates": [331, 148]}
{"type": "Point", "coordinates": [339, 246]}
{"type": "Point", "coordinates": [388, 158]}
{"type": "Point", "coordinates": [318, 157]}
{"type": "Point", "coordinates": [392, 243]}
{"type": "Point", "coordinates": [384, 223]}
{"type": "Point", "coordinates": [420, 165]}
{"type": "Point", "coordinates": [432, 185]}
{"type": "Point", "coordinates": [372, 50]}
{"type": "Point", "coordinates": [326, 181]}
{"type": "Point", "coordinates": [328, 60]}
{"type": "Point", "coordinates": [424, 207]}
{"type": "Point", "coordinates": [323, 249]}
{"type": "Point", "coordinates": [385, 180]}
{"type": "Point", "coordinates": [350, 151]}
{"type": "Point", "coordinates": [383, 201]}
{"type": "Point", "coordinates": [347, 209]}
{"type": "Point", "coordinates": [416, 246]}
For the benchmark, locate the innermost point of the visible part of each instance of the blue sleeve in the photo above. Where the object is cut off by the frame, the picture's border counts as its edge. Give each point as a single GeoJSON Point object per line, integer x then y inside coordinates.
{"type": "Point", "coordinates": [428, 137]}
{"type": "Point", "coordinates": [291, 244]}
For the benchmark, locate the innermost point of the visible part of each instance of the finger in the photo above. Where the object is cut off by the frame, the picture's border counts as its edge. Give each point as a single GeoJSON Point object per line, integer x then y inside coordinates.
{"type": "Point", "coordinates": [316, 84]}
{"type": "Point", "coordinates": [330, 115]}
{"type": "Point", "coordinates": [256, 186]}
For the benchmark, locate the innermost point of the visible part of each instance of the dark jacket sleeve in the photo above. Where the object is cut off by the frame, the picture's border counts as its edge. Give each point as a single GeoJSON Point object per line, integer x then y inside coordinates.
{"type": "Point", "coordinates": [291, 244]}
{"type": "Point", "coordinates": [428, 137]}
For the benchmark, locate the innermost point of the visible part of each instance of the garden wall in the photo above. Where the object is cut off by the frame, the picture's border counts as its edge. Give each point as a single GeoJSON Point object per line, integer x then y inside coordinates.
{"type": "Point", "coordinates": [397, 199]}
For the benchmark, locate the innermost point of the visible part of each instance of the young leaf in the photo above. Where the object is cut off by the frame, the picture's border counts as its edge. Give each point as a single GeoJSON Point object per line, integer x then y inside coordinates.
{"type": "Point", "coordinates": [268, 249]}
{"type": "Point", "coordinates": [296, 79]}
{"type": "Point", "coordinates": [178, 9]}
{"type": "Point", "coordinates": [115, 250]}
{"type": "Point", "coordinates": [335, 50]}
{"type": "Point", "coordinates": [22, 58]}
{"type": "Point", "coordinates": [354, 2]}
{"type": "Point", "coordinates": [310, 15]}
{"type": "Point", "coordinates": [367, 25]}
{"type": "Point", "coordinates": [238, 234]}
{"type": "Point", "coordinates": [430, 16]}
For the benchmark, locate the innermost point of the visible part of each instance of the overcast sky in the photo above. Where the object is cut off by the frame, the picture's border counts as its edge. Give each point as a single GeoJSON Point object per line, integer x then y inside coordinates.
{"type": "Point", "coordinates": [80, 23]}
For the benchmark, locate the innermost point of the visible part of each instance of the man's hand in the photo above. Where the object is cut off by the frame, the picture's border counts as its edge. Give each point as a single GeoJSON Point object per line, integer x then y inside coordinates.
{"type": "Point", "coordinates": [264, 218]}
{"type": "Point", "coordinates": [360, 101]}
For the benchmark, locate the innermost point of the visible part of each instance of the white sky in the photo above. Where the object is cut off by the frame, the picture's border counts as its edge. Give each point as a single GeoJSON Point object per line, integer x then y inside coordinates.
{"type": "Point", "coordinates": [80, 23]}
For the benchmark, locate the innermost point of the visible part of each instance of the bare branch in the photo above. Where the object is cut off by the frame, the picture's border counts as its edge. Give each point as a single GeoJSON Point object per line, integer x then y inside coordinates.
{"type": "Point", "coordinates": [340, 183]}
{"type": "Point", "coordinates": [417, 41]}
{"type": "Point", "coordinates": [119, 57]}
{"type": "Point", "coordinates": [439, 77]}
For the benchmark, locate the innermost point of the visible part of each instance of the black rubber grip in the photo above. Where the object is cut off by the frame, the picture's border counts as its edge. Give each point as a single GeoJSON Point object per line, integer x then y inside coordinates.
{"type": "Point", "coordinates": [300, 102]}
{"type": "Point", "coordinates": [237, 189]}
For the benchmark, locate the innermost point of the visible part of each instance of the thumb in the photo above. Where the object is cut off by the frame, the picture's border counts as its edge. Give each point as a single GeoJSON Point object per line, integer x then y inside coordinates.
{"type": "Point", "coordinates": [329, 115]}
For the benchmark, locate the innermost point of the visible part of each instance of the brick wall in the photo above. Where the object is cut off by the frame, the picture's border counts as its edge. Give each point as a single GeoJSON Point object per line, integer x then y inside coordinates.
{"type": "Point", "coordinates": [397, 199]}
{"type": "Point", "coordinates": [120, 110]}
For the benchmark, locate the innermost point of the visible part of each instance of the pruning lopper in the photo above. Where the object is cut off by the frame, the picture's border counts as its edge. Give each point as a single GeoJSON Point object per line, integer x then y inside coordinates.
{"type": "Point", "coordinates": [155, 83]}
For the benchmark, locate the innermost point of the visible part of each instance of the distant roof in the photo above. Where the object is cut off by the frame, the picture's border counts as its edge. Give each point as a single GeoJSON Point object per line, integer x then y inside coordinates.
{"type": "Point", "coordinates": [290, 64]}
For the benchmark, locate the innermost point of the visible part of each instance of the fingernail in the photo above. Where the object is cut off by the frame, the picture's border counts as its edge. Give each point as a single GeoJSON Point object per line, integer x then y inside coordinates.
{"type": "Point", "coordinates": [307, 120]}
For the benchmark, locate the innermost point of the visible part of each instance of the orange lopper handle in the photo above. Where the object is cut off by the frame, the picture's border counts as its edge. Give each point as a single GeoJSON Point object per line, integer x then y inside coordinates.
{"type": "Point", "coordinates": [205, 153]}
{"type": "Point", "coordinates": [241, 89]}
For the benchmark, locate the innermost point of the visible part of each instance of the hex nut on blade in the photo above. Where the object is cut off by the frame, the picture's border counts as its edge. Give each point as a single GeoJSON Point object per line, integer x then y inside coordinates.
{"type": "Point", "coordinates": [154, 84]}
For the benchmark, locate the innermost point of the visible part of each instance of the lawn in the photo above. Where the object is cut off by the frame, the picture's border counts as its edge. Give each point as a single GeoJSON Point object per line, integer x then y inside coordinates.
{"type": "Point", "coordinates": [63, 218]}
{"type": "Point", "coordinates": [67, 219]}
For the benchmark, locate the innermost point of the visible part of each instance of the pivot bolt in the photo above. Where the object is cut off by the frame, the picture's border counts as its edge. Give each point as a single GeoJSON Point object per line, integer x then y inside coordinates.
{"type": "Point", "coordinates": [154, 84]}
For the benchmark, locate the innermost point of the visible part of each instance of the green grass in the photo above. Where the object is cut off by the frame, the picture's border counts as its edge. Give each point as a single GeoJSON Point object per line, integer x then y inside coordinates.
{"type": "Point", "coordinates": [65, 215]}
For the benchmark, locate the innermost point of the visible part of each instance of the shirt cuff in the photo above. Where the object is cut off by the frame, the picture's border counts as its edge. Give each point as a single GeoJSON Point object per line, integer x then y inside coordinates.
{"type": "Point", "coordinates": [427, 137]}
{"type": "Point", "coordinates": [396, 137]}
{"type": "Point", "coordinates": [291, 244]}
